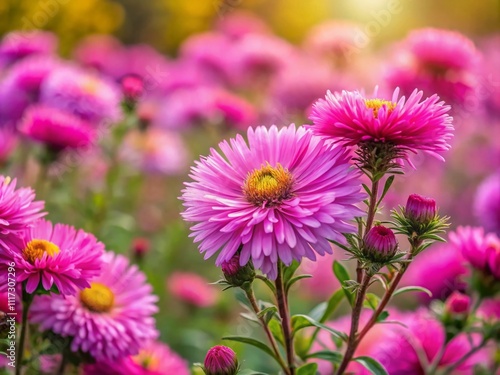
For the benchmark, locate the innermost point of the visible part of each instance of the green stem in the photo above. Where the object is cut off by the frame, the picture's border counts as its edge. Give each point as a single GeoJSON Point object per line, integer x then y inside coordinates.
{"type": "Point", "coordinates": [64, 362]}
{"type": "Point", "coordinates": [372, 209]}
{"type": "Point", "coordinates": [285, 317]}
{"type": "Point", "coordinates": [27, 300]}
{"type": "Point", "coordinates": [356, 313]}
{"type": "Point", "coordinates": [251, 297]}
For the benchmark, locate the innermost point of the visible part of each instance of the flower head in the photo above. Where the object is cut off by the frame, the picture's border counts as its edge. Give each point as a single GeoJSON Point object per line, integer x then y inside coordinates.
{"type": "Point", "coordinates": [237, 275]}
{"type": "Point", "coordinates": [132, 87]}
{"type": "Point", "coordinates": [281, 197]}
{"type": "Point", "coordinates": [407, 125]}
{"type": "Point", "coordinates": [380, 244]}
{"type": "Point", "coordinates": [17, 45]}
{"type": "Point", "coordinates": [18, 208]}
{"type": "Point", "coordinates": [221, 360]}
{"type": "Point", "coordinates": [487, 204]}
{"type": "Point", "coordinates": [154, 358]}
{"type": "Point", "coordinates": [191, 288]}
{"type": "Point", "coordinates": [481, 250]}
{"type": "Point", "coordinates": [83, 94]}
{"type": "Point", "coordinates": [458, 303]}
{"type": "Point", "coordinates": [47, 255]}
{"type": "Point", "coordinates": [57, 129]}
{"type": "Point", "coordinates": [111, 319]}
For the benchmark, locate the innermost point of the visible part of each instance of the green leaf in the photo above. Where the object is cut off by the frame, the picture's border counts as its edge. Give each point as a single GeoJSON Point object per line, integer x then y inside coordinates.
{"type": "Point", "coordinates": [250, 372]}
{"type": "Point", "coordinates": [300, 321]}
{"type": "Point", "coordinates": [383, 316]}
{"type": "Point", "coordinates": [332, 304]}
{"type": "Point", "coordinates": [268, 282]}
{"type": "Point", "coordinates": [307, 369]}
{"type": "Point", "coordinates": [289, 271]}
{"type": "Point", "coordinates": [371, 365]}
{"type": "Point", "coordinates": [371, 301]}
{"type": "Point", "coordinates": [253, 342]}
{"type": "Point", "coordinates": [413, 288]}
{"type": "Point", "coordinates": [294, 280]}
{"type": "Point", "coordinates": [327, 355]}
{"type": "Point", "coordinates": [387, 186]}
{"type": "Point", "coordinates": [343, 276]}
{"type": "Point", "coordinates": [267, 313]}
{"type": "Point", "coordinates": [242, 298]}
{"type": "Point", "coordinates": [318, 311]}
{"type": "Point", "coordinates": [367, 189]}
{"type": "Point", "coordinates": [275, 328]}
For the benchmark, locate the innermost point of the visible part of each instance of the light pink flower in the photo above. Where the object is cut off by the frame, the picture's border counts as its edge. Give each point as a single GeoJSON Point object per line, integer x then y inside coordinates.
{"type": "Point", "coordinates": [191, 288]}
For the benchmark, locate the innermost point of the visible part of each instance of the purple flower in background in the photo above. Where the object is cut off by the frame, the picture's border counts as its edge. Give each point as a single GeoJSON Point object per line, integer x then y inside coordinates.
{"type": "Point", "coordinates": [487, 204]}
{"type": "Point", "coordinates": [81, 93]}
{"type": "Point", "coordinates": [481, 250]}
{"type": "Point", "coordinates": [154, 151]}
{"type": "Point", "coordinates": [57, 129]}
{"type": "Point", "coordinates": [282, 196]}
{"type": "Point", "coordinates": [440, 269]}
{"type": "Point", "coordinates": [409, 124]}
{"type": "Point", "coordinates": [110, 320]}
{"type": "Point", "coordinates": [17, 45]}
{"type": "Point", "coordinates": [58, 255]}
{"type": "Point", "coordinates": [154, 358]}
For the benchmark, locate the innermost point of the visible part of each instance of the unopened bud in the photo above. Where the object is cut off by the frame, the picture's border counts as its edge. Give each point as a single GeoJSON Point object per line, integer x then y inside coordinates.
{"type": "Point", "coordinates": [237, 275]}
{"type": "Point", "coordinates": [458, 303]}
{"type": "Point", "coordinates": [380, 244]}
{"type": "Point", "coordinates": [420, 210]}
{"type": "Point", "coordinates": [140, 247]}
{"type": "Point", "coordinates": [132, 87]}
{"type": "Point", "coordinates": [221, 360]}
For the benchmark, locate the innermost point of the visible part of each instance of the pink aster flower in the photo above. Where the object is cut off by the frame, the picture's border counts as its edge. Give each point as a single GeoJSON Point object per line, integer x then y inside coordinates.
{"type": "Point", "coordinates": [436, 61]}
{"type": "Point", "coordinates": [8, 142]}
{"type": "Point", "coordinates": [18, 208]}
{"type": "Point", "coordinates": [282, 196]}
{"type": "Point", "coordinates": [155, 151]}
{"type": "Point", "coordinates": [58, 255]}
{"type": "Point", "coordinates": [408, 124]}
{"type": "Point", "coordinates": [191, 288]}
{"type": "Point", "coordinates": [487, 204]}
{"type": "Point", "coordinates": [481, 250]}
{"type": "Point", "coordinates": [405, 348]}
{"type": "Point", "coordinates": [441, 269]}
{"type": "Point", "coordinates": [56, 128]}
{"type": "Point", "coordinates": [221, 360]}
{"type": "Point", "coordinates": [17, 45]}
{"type": "Point", "coordinates": [110, 320]}
{"type": "Point", "coordinates": [154, 358]}
{"type": "Point", "coordinates": [81, 93]}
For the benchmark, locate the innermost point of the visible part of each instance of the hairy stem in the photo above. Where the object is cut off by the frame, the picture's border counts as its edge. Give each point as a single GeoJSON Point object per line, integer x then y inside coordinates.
{"type": "Point", "coordinates": [251, 297]}
{"type": "Point", "coordinates": [27, 299]}
{"type": "Point", "coordinates": [282, 300]}
{"type": "Point", "coordinates": [356, 313]}
{"type": "Point", "coordinates": [372, 206]}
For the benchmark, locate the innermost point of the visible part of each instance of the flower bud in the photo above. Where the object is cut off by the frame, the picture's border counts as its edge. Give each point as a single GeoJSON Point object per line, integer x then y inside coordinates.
{"type": "Point", "coordinates": [420, 210]}
{"type": "Point", "coordinates": [237, 275]}
{"type": "Point", "coordinates": [140, 247]}
{"type": "Point", "coordinates": [132, 87]}
{"type": "Point", "coordinates": [221, 360]}
{"type": "Point", "coordinates": [380, 244]}
{"type": "Point", "coordinates": [493, 258]}
{"type": "Point", "coordinates": [457, 303]}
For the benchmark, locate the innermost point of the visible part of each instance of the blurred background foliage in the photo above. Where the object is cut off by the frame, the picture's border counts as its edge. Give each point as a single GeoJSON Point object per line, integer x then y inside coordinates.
{"type": "Point", "coordinates": [166, 23]}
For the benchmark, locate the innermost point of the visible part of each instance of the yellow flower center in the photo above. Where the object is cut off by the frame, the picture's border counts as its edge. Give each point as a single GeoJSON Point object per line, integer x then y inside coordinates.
{"type": "Point", "coordinates": [268, 185]}
{"type": "Point", "coordinates": [36, 248]}
{"type": "Point", "coordinates": [147, 360]}
{"type": "Point", "coordinates": [98, 298]}
{"type": "Point", "coordinates": [90, 85]}
{"type": "Point", "coordinates": [376, 104]}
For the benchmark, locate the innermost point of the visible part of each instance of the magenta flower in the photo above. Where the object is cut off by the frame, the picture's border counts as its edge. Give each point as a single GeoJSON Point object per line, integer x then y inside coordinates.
{"type": "Point", "coordinates": [191, 288]}
{"type": "Point", "coordinates": [57, 129]}
{"type": "Point", "coordinates": [154, 358]}
{"type": "Point", "coordinates": [47, 255]}
{"type": "Point", "coordinates": [458, 303]}
{"type": "Point", "coordinates": [408, 350]}
{"type": "Point", "coordinates": [380, 244]}
{"type": "Point", "coordinates": [18, 208]}
{"type": "Point", "coordinates": [221, 360]}
{"type": "Point", "coordinates": [17, 45]}
{"type": "Point", "coordinates": [410, 125]}
{"type": "Point", "coordinates": [281, 197]}
{"type": "Point", "coordinates": [441, 269]}
{"type": "Point", "coordinates": [110, 320]}
{"type": "Point", "coordinates": [487, 204]}
{"type": "Point", "coordinates": [83, 94]}
{"type": "Point", "coordinates": [132, 87]}
{"type": "Point", "coordinates": [481, 250]}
